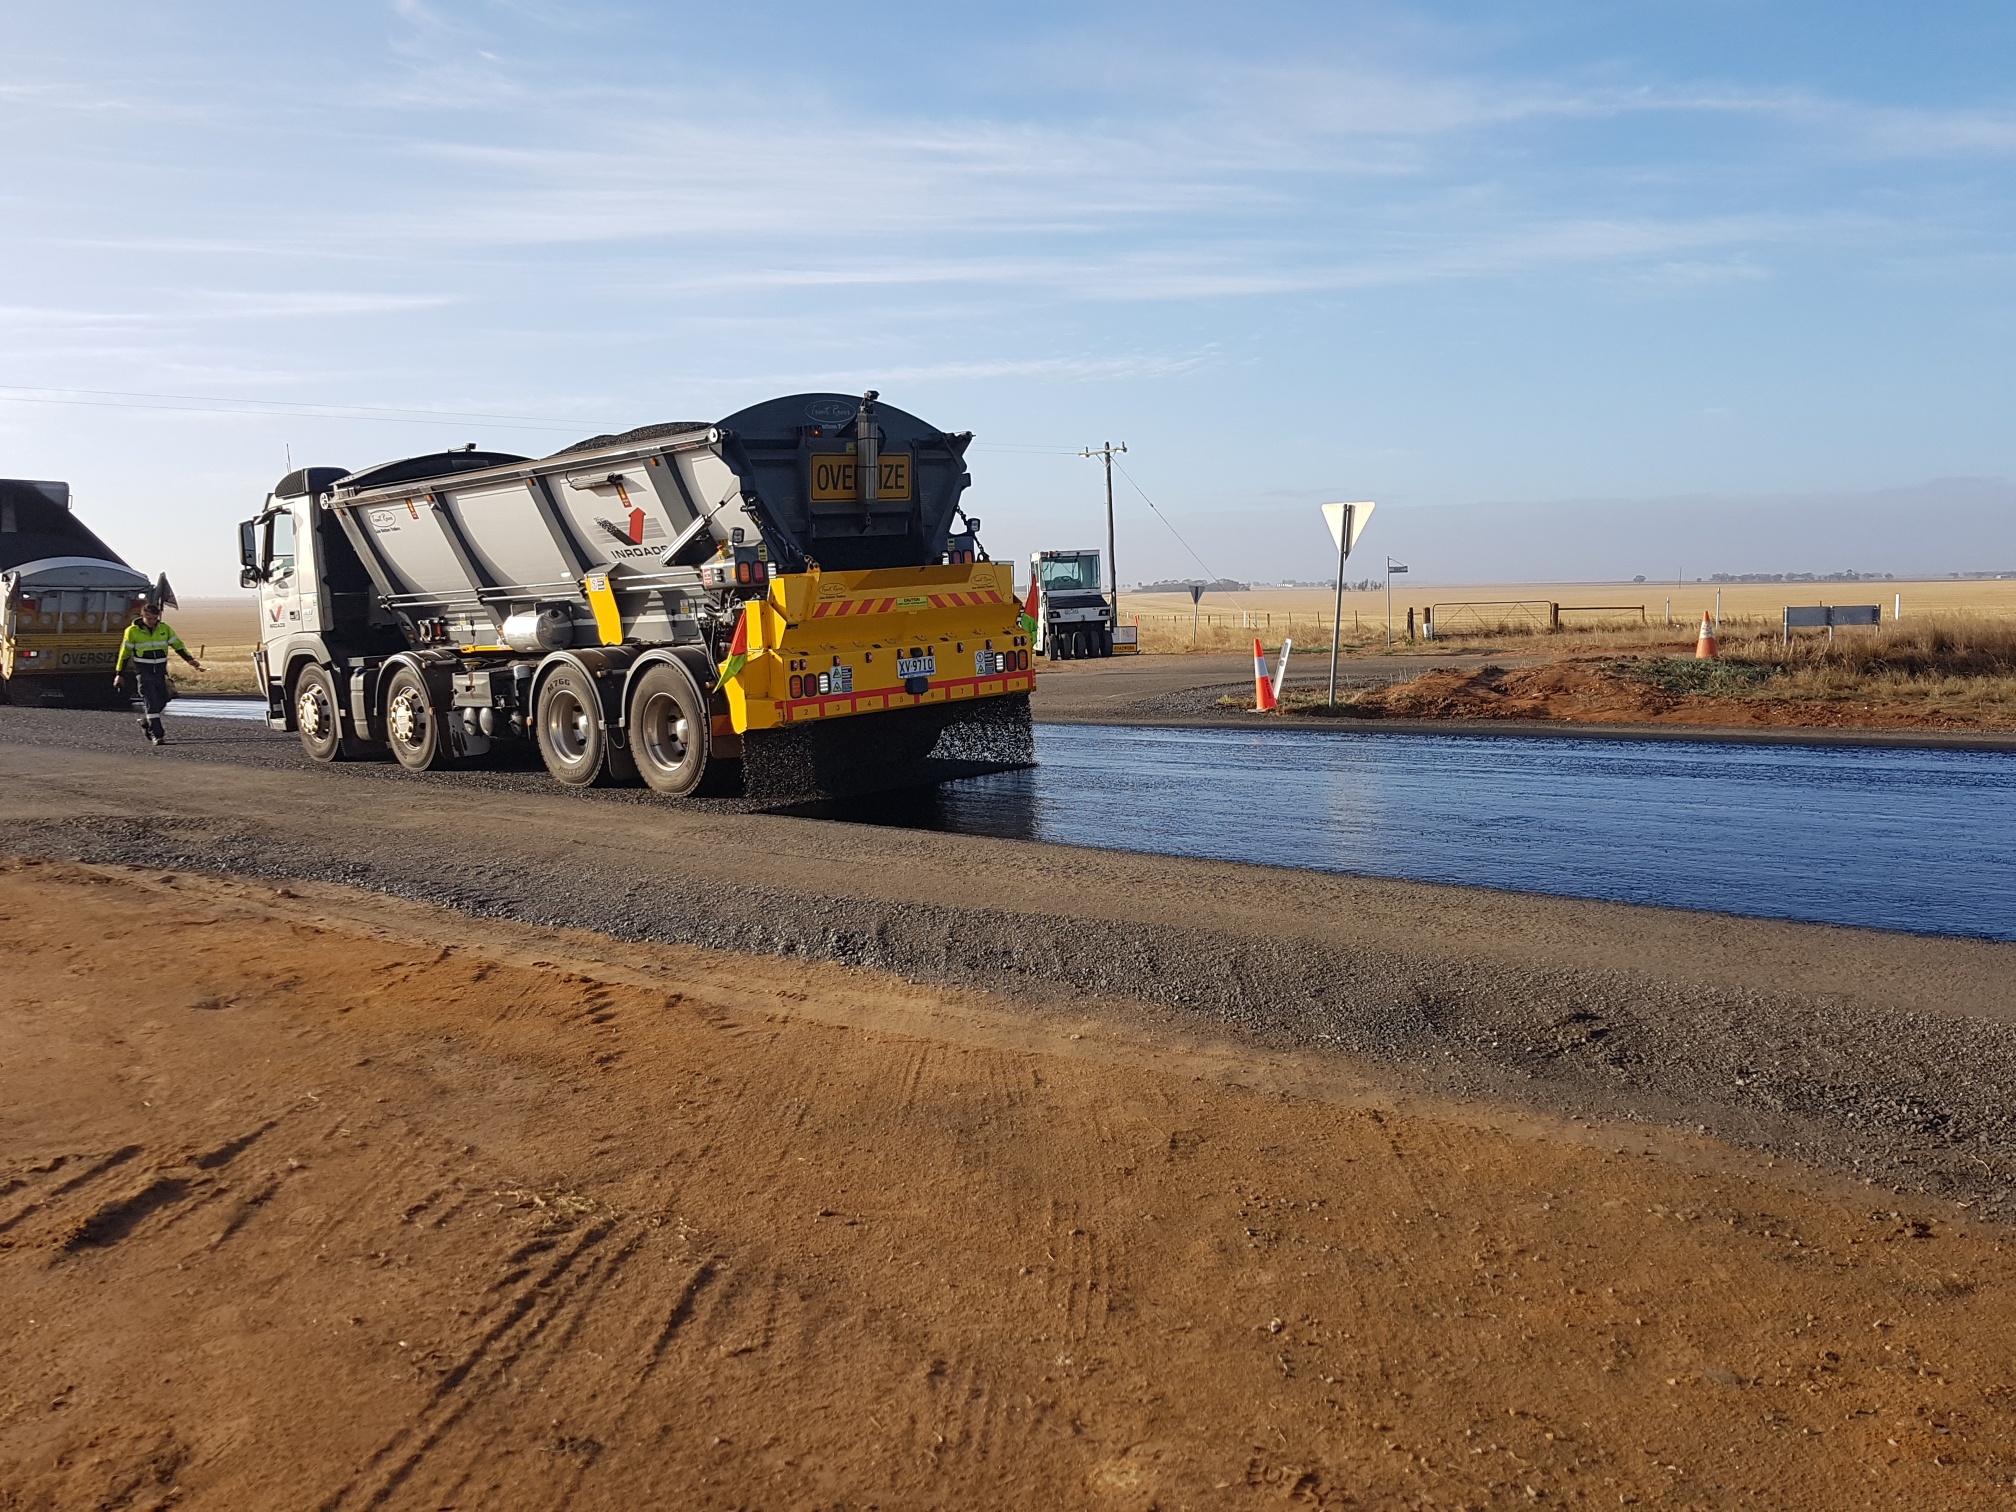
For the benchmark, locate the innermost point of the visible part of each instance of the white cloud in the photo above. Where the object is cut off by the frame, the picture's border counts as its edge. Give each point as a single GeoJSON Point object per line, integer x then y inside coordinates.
{"type": "Point", "coordinates": [195, 306]}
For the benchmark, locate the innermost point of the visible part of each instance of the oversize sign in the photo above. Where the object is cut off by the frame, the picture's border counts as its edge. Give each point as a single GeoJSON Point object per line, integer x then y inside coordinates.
{"type": "Point", "coordinates": [836, 477]}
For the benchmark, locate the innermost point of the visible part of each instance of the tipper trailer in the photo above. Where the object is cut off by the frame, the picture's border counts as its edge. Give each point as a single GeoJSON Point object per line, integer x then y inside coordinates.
{"type": "Point", "coordinates": [778, 599]}
{"type": "Point", "coordinates": [66, 598]}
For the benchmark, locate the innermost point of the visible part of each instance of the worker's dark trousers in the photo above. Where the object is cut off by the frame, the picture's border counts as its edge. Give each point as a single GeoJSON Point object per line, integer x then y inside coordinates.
{"type": "Point", "coordinates": [153, 685]}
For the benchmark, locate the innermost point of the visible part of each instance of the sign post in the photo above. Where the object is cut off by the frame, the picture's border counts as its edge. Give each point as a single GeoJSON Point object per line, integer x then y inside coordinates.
{"type": "Point", "coordinates": [1391, 568]}
{"type": "Point", "coordinates": [1196, 593]}
{"type": "Point", "coordinates": [1347, 522]}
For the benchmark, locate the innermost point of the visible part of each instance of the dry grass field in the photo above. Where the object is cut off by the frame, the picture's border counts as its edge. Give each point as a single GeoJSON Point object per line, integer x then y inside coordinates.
{"type": "Point", "coordinates": [1512, 612]}
{"type": "Point", "coordinates": [224, 633]}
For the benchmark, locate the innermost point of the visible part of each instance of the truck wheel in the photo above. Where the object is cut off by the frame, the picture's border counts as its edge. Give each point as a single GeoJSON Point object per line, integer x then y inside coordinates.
{"type": "Point", "coordinates": [318, 719]}
{"type": "Point", "coordinates": [568, 726]}
{"type": "Point", "coordinates": [670, 731]}
{"type": "Point", "coordinates": [411, 727]}
{"type": "Point", "coordinates": [1105, 642]}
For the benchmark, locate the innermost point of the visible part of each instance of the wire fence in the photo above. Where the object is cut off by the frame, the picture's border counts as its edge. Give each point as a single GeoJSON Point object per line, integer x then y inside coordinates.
{"type": "Point", "coordinates": [1235, 629]}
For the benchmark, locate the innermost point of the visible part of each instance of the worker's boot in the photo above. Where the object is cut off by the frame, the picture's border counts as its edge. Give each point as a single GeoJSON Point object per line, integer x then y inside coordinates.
{"type": "Point", "coordinates": [155, 734]}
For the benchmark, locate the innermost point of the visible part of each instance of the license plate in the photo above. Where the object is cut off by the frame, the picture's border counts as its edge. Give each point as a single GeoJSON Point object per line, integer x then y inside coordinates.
{"type": "Point", "coordinates": [835, 477]}
{"type": "Point", "coordinates": [918, 666]}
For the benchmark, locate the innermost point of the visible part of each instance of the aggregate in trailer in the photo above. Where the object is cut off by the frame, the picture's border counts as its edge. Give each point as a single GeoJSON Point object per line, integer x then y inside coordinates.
{"type": "Point", "coordinates": [777, 602]}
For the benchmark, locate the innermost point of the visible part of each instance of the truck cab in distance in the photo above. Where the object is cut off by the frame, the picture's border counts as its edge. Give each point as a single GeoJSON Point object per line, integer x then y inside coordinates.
{"type": "Point", "coordinates": [1074, 615]}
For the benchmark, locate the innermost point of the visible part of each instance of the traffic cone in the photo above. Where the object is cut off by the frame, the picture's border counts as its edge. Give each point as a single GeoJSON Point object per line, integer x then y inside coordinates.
{"type": "Point", "coordinates": [1263, 685]}
{"type": "Point", "coordinates": [1704, 649]}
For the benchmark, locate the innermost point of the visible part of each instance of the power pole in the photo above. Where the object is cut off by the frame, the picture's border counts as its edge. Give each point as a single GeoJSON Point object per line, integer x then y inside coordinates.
{"type": "Point", "coordinates": [1105, 453]}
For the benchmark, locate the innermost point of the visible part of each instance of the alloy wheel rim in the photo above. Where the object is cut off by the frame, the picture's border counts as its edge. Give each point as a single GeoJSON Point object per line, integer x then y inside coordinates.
{"type": "Point", "coordinates": [567, 727]}
{"type": "Point", "coordinates": [667, 733]}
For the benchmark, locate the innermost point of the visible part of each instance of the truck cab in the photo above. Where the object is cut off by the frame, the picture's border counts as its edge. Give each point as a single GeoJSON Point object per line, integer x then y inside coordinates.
{"type": "Point", "coordinates": [1074, 614]}
{"type": "Point", "coordinates": [316, 601]}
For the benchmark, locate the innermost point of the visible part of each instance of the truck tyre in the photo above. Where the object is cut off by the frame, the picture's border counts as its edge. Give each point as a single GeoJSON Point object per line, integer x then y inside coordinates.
{"type": "Point", "coordinates": [412, 728]}
{"type": "Point", "coordinates": [567, 723]}
{"type": "Point", "coordinates": [1105, 642]}
{"type": "Point", "coordinates": [671, 731]}
{"type": "Point", "coordinates": [319, 721]}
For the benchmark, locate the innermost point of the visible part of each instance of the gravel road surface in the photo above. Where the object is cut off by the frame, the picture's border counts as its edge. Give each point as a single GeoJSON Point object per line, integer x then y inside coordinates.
{"type": "Point", "coordinates": [1880, 1055]}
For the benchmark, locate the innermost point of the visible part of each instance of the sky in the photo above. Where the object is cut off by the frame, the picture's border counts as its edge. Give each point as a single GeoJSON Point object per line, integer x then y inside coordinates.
{"type": "Point", "coordinates": [1464, 260]}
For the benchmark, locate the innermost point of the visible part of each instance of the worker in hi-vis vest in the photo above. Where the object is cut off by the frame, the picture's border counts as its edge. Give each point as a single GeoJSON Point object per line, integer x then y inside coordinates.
{"type": "Point", "coordinates": [143, 656]}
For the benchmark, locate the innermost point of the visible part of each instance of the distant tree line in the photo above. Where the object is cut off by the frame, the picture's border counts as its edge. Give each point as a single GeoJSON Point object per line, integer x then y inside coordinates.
{"type": "Point", "coordinates": [1222, 585]}
{"type": "Point", "coordinates": [1803, 577]}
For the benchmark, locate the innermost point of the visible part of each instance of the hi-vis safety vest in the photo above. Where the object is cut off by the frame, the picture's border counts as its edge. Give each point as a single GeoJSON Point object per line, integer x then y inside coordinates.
{"type": "Point", "coordinates": [149, 648]}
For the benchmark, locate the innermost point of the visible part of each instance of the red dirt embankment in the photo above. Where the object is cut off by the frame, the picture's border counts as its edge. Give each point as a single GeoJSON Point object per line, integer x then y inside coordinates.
{"type": "Point", "coordinates": [318, 1200]}
{"type": "Point", "coordinates": [1592, 691]}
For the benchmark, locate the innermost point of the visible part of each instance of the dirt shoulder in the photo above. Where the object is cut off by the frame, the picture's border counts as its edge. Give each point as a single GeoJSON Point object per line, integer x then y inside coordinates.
{"type": "Point", "coordinates": [1482, 693]}
{"type": "Point", "coordinates": [346, 1201]}
{"type": "Point", "coordinates": [1609, 691]}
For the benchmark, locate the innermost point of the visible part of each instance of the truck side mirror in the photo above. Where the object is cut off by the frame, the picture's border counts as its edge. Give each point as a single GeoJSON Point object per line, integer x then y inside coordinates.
{"type": "Point", "coordinates": [248, 554]}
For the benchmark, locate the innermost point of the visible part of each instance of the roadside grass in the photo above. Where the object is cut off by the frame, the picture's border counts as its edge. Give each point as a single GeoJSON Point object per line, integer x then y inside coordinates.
{"type": "Point", "coordinates": [1353, 705]}
{"type": "Point", "coordinates": [1954, 666]}
{"type": "Point", "coordinates": [1682, 675]}
{"type": "Point", "coordinates": [1953, 663]}
{"type": "Point", "coordinates": [227, 671]}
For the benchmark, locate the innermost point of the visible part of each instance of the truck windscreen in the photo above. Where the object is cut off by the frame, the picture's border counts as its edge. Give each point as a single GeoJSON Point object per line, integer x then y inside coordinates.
{"type": "Point", "coordinates": [1079, 574]}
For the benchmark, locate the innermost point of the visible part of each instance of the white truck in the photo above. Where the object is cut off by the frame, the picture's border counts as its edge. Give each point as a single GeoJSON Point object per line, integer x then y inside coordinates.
{"type": "Point", "coordinates": [777, 599]}
{"type": "Point", "coordinates": [1074, 615]}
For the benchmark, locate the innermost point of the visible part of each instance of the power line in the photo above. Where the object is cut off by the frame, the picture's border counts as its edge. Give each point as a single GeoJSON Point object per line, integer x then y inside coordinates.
{"type": "Point", "coordinates": [1208, 573]}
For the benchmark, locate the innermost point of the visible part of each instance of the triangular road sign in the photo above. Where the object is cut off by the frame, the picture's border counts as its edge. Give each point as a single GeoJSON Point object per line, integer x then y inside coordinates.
{"type": "Point", "coordinates": [1333, 516]}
